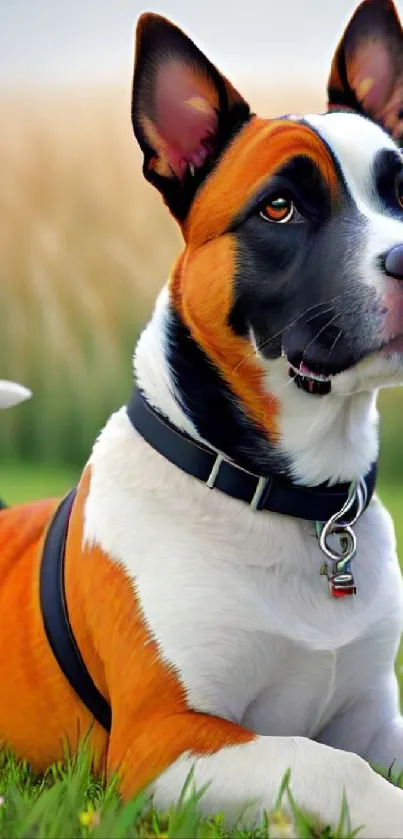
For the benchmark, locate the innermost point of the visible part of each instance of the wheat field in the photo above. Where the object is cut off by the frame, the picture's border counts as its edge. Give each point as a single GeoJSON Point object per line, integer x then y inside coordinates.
{"type": "Point", "coordinates": [85, 244]}
{"type": "Point", "coordinates": [84, 247]}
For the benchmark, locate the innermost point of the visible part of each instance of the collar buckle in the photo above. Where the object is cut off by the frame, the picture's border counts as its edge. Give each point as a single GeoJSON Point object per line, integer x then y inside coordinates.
{"type": "Point", "coordinates": [258, 493]}
{"type": "Point", "coordinates": [214, 472]}
{"type": "Point", "coordinates": [261, 483]}
{"type": "Point", "coordinates": [339, 527]}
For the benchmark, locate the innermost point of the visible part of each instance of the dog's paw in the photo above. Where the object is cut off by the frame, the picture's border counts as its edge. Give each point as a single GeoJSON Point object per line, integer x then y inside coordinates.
{"type": "Point", "coordinates": [373, 802]}
{"type": "Point", "coordinates": [374, 805]}
{"type": "Point", "coordinates": [11, 393]}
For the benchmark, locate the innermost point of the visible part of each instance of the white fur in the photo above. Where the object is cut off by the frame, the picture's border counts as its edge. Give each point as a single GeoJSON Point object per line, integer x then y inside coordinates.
{"type": "Point", "coordinates": [11, 394]}
{"type": "Point", "coordinates": [235, 600]}
{"type": "Point", "coordinates": [151, 371]}
{"type": "Point", "coordinates": [243, 780]}
{"type": "Point", "coordinates": [336, 438]}
{"type": "Point", "coordinates": [236, 603]}
{"type": "Point", "coordinates": [355, 142]}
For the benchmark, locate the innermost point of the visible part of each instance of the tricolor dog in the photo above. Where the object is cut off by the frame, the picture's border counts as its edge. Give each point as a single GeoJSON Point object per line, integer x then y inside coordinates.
{"type": "Point", "coordinates": [222, 588]}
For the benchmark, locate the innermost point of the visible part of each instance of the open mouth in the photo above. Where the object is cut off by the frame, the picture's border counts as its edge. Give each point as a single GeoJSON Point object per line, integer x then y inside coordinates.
{"type": "Point", "coordinates": [319, 383]}
{"type": "Point", "coordinates": [310, 380]}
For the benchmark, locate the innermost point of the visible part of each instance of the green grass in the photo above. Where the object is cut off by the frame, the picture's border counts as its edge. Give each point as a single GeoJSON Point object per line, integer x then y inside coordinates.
{"type": "Point", "coordinates": [68, 802]}
{"type": "Point", "coordinates": [21, 482]}
{"type": "Point", "coordinates": [392, 497]}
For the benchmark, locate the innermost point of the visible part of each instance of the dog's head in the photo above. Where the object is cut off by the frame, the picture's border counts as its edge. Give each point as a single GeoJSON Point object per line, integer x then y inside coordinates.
{"type": "Point", "coordinates": [293, 226]}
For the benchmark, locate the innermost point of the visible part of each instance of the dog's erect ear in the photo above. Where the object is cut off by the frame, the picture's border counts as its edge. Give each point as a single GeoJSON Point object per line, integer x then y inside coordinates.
{"type": "Point", "coordinates": [184, 111]}
{"type": "Point", "coordinates": [11, 394]}
{"type": "Point", "coordinates": [367, 69]}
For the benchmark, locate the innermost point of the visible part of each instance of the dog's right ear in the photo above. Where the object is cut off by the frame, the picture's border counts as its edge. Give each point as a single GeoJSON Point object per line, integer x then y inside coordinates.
{"type": "Point", "coordinates": [184, 111]}
{"type": "Point", "coordinates": [11, 394]}
{"type": "Point", "coordinates": [367, 69]}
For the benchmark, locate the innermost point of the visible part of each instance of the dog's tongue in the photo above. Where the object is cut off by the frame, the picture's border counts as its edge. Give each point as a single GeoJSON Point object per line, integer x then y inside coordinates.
{"type": "Point", "coordinates": [305, 370]}
{"type": "Point", "coordinates": [306, 379]}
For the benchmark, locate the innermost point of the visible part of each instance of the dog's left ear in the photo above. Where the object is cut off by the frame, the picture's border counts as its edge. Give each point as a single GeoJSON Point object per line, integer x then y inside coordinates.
{"type": "Point", "coordinates": [367, 70]}
{"type": "Point", "coordinates": [184, 111]}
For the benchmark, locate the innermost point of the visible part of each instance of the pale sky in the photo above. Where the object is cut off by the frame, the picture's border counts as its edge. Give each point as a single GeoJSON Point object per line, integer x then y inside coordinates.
{"type": "Point", "coordinates": [91, 41]}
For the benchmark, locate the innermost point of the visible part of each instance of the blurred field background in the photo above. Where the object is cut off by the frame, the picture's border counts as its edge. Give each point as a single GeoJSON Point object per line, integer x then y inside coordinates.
{"type": "Point", "coordinates": [85, 244]}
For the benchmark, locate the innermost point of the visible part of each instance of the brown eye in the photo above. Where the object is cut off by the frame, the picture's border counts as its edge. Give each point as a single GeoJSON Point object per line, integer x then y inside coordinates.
{"type": "Point", "coordinates": [281, 210]}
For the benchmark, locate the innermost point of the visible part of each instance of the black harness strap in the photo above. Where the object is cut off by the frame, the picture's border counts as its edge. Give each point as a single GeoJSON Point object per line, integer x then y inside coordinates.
{"type": "Point", "coordinates": [56, 618]}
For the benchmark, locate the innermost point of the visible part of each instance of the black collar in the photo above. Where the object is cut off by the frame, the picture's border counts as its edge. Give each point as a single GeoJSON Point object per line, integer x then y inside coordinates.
{"type": "Point", "coordinates": [270, 493]}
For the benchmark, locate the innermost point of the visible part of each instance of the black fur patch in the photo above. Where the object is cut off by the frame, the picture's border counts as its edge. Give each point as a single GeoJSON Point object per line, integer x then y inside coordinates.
{"type": "Point", "coordinates": [388, 179]}
{"type": "Point", "coordinates": [289, 275]}
{"type": "Point", "coordinates": [214, 410]}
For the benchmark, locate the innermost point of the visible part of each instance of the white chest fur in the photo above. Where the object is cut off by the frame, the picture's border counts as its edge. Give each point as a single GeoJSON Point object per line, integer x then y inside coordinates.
{"type": "Point", "coordinates": [234, 598]}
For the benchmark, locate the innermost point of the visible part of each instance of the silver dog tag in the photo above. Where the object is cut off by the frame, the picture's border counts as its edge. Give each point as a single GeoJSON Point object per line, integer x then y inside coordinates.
{"type": "Point", "coordinates": [338, 542]}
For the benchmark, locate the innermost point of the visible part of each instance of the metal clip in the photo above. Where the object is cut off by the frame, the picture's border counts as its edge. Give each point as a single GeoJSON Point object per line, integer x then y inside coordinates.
{"type": "Point", "coordinates": [337, 566]}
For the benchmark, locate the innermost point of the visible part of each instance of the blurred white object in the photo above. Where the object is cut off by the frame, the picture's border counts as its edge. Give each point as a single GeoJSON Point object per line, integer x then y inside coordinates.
{"type": "Point", "coordinates": [11, 394]}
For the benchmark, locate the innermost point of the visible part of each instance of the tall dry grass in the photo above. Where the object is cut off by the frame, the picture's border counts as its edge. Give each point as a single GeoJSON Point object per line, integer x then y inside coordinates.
{"type": "Point", "coordinates": [85, 245]}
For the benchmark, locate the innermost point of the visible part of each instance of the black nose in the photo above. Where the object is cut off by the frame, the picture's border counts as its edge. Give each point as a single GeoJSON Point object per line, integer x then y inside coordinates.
{"type": "Point", "coordinates": [394, 262]}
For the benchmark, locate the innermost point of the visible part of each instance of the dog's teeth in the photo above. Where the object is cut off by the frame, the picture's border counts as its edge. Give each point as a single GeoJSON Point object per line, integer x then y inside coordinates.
{"type": "Point", "coordinates": [318, 377]}
{"type": "Point", "coordinates": [304, 371]}
{"type": "Point", "coordinates": [309, 374]}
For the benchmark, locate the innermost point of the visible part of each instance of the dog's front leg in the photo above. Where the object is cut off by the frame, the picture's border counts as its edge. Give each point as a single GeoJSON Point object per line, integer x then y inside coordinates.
{"type": "Point", "coordinates": [385, 748]}
{"type": "Point", "coordinates": [241, 769]}
{"type": "Point", "coordinates": [371, 724]}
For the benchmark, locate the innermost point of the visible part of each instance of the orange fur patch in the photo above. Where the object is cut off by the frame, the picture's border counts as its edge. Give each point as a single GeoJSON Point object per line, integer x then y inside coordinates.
{"type": "Point", "coordinates": [202, 284]}
{"type": "Point", "coordinates": [202, 291]}
{"type": "Point", "coordinates": [152, 723]}
{"type": "Point", "coordinates": [159, 163]}
{"type": "Point", "coordinates": [39, 712]}
{"type": "Point", "coordinates": [260, 150]}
